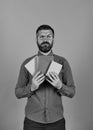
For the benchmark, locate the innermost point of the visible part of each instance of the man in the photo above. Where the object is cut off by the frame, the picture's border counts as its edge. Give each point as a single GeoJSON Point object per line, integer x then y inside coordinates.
{"type": "Point", "coordinates": [44, 109]}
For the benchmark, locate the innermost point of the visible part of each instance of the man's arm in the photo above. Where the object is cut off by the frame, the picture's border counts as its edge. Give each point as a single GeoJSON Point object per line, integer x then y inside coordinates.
{"type": "Point", "coordinates": [68, 87]}
{"type": "Point", "coordinates": [23, 88]}
{"type": "Point", "coordinates": [68, 91]}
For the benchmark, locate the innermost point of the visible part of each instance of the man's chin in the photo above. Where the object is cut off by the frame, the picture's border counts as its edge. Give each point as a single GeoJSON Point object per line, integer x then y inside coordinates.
{"type": "Point", "coordinates": [45, 51]}
{"type": "Point", "coordinates": [45, 48]}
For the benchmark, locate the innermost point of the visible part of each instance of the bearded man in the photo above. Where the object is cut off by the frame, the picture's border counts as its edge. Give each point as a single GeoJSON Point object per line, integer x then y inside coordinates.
{"type": "Point", "coordinates": [44, 108]}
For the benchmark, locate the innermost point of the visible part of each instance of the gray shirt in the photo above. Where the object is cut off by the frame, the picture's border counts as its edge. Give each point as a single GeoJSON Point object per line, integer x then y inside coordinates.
{"type": "Point", "coordinates": [45, 104]}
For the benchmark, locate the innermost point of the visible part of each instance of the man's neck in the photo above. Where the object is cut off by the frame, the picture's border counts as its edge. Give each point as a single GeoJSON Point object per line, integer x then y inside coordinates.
{"type": "Point", "coordinates": [45, 53]}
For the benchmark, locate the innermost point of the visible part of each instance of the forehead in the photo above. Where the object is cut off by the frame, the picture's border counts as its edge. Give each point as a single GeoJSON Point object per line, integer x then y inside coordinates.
{"type": "Point", "coordinates": [45, 32]}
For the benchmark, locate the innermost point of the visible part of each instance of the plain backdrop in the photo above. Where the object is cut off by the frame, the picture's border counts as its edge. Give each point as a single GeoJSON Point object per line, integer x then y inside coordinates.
{"type": "Point", "coordinates": [72, 21]}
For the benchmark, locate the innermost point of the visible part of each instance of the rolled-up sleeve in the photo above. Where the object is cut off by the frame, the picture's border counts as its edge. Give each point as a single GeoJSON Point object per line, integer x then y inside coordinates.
{"type": "Point", "coordinates": [68, 87]}
{"type": "Point", "coordinates": [22, 88]}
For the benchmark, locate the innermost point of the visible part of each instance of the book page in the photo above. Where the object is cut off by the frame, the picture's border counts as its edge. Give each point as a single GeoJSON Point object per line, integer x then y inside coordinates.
{"type": "Point", "coordinates": [54, 67]}
{"type": "Point", "coordinates": [31, 66]}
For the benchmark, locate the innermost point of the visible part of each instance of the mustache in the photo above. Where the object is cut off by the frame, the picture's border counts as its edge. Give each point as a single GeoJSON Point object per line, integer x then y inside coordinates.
{"type": "Point", "coordinates": [45, 43]}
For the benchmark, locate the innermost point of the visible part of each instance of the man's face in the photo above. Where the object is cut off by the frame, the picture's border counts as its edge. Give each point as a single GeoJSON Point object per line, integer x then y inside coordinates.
{"type": "Point", "coordinates": [45, 40]}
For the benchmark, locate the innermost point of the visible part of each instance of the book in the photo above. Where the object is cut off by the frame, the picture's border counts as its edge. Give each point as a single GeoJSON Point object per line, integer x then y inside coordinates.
{"type": "Point", "coordinates": [31, 66]}
{"type": "Point", "coordinates": [54, 67]}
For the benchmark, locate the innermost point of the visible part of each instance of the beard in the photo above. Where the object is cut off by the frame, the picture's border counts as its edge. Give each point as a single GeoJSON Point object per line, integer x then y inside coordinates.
{"type": "Point", "coordinates": [45, 46]}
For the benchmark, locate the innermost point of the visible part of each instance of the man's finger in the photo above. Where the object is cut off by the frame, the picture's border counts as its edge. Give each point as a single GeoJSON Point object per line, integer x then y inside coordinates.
{"type": "Point", "coordinates": [53, 75]}
{"type": "Point", "coordinates": [50, 77]}
{"type": "Point", "coordinates": [50, 82]}
{"type": "Point", "coordinates": [38, 73]}
{"type": "Point", "coordinates": [41, 81]}
{"type": "Point", "coordinates": [40, 77]}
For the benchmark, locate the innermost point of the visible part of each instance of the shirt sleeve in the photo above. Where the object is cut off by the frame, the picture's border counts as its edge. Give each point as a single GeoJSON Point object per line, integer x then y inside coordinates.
{"type": "Point", "coordinates": [68, 87]}
{"type": "Point", "coordinates": [22, 88]}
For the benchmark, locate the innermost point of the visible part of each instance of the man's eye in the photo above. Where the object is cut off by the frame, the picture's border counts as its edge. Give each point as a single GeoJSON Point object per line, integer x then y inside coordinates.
{"type": "Point", "coordinates": [49, 36]}
{"type": "Point", "coordinates": [41, 36]}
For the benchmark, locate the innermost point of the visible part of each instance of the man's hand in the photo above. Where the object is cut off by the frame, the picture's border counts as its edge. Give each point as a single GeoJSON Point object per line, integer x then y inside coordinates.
{"type": "Point", "coordinates": [37, 80]}
{"type": "Point", "coordinates": [54, 79]}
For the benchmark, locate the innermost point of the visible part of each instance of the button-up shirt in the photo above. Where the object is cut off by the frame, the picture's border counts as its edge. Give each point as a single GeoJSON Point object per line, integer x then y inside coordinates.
{"type": "Point", "coordinates": [44, 105]}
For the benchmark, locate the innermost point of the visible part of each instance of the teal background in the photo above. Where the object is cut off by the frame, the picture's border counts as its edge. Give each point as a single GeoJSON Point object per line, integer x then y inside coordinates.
{"type": "Point", "coordinates": [72, 21]}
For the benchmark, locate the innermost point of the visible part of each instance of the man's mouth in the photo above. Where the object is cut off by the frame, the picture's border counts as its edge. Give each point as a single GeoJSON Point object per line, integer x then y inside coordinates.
{"type": "Point", "coordinates": [45, 44]}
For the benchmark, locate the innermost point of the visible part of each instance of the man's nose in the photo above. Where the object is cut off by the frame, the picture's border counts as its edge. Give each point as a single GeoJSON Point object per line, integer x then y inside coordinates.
{"type": "Point", "coordinates": [45, 38]}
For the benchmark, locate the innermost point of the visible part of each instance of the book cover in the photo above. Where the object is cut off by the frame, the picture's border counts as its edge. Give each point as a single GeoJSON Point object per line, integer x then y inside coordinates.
{"type": "Point", "coordinates": [31, 66]}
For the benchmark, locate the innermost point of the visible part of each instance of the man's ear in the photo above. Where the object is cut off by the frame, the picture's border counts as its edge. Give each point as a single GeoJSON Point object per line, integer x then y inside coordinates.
{"type": "Point", "coordinates": [53, 40]}
{"type": "Point", "coordinates": [36, 38]}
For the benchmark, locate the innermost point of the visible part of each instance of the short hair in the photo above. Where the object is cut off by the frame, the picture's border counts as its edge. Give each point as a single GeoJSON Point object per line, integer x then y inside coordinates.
{"type": "Point", "coordinates": [45, 27]}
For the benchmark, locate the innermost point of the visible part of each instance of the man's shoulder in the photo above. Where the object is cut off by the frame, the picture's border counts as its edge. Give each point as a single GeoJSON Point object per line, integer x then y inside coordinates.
{"type": "Point", "coordinates": [28, 59]}
{"type": "Point", "coordinates": [59, 58]}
